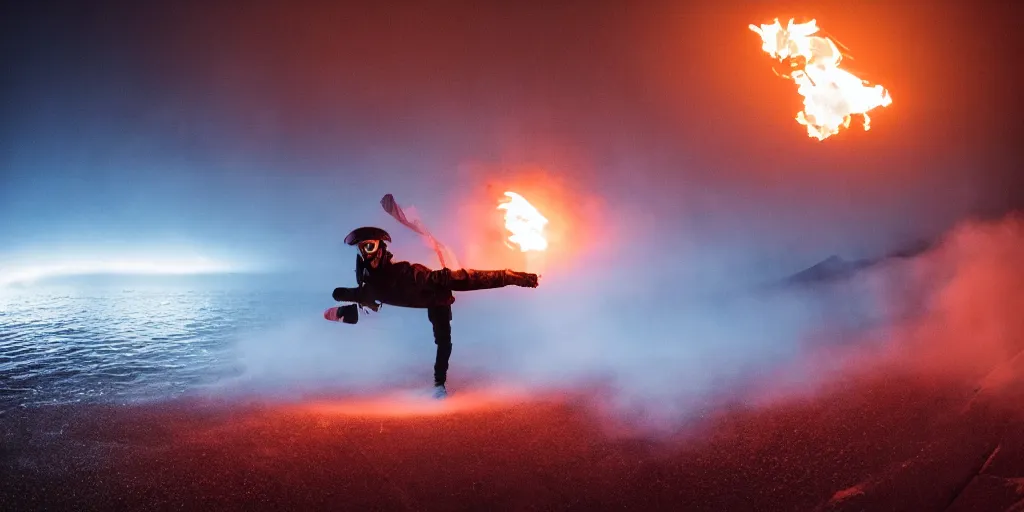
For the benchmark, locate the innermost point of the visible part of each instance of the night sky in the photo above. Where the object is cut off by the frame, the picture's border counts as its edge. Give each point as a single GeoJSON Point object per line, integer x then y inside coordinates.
{"type": "Point", "coordinates": [262, 134]}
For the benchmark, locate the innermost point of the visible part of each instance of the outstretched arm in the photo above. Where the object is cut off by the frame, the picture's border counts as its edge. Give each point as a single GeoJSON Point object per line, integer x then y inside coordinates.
{"type": "Point", "coordinates": [359, 295]}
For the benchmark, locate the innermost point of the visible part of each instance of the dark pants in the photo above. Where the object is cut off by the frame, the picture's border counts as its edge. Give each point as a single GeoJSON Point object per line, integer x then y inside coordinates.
{"type": "Point", "coordinates": [441, 320]}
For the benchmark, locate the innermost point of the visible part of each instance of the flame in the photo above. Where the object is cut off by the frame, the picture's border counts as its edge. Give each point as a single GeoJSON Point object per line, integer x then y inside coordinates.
{"type": "Point", "coordinates": [831, 95]}
{"type": "Point", "coordinates": [525, 223]}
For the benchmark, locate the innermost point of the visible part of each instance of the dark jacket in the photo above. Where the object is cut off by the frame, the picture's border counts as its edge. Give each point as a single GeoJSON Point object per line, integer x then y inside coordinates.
{"type": "Point", "coordinates": [398, 283]}
{"type": "Point", "coordinates": [411, 285]}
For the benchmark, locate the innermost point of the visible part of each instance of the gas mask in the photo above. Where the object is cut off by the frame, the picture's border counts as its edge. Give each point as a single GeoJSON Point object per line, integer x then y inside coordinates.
{"type": "Point", "coordinates": [371, 251]}
{"type": "Point", "coordinates": [372, 245]}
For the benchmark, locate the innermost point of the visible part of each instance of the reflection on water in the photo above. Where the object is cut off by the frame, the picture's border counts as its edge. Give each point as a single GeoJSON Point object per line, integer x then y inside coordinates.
{"type": "Point", "coordinates": [129, 338]}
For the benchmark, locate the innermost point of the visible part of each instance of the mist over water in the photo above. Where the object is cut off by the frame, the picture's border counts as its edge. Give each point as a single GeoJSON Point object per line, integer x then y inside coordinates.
{"type": "Point", "coordinates": [951, 312]}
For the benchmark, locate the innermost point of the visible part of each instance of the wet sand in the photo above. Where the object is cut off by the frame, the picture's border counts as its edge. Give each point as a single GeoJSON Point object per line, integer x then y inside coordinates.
{"type": "Point", "coordinates": [881, 443]}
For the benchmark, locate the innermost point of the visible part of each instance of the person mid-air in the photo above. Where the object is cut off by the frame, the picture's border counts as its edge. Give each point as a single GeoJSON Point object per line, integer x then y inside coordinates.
{"type": "Point", "coordinates": [381, 280]}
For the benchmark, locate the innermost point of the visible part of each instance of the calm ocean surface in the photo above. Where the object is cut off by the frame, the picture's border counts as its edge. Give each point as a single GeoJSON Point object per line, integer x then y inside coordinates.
{"type": "Point", "coordinates": [124, 339]}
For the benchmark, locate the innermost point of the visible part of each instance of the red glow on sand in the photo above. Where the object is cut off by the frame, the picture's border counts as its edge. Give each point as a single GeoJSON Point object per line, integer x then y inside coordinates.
{"type": "Point", "coordinates": [411, 404]}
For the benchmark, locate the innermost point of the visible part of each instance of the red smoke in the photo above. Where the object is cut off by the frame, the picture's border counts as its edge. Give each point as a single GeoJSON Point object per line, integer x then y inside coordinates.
{"type": "Point", "coordinates": [973, 309]}
{"type": "Point", "coordinates": [952, 314]}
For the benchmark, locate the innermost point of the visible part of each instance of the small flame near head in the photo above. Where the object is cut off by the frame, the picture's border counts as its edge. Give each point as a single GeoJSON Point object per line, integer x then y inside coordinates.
{"type": "Point", "coordinates": [525, 223]}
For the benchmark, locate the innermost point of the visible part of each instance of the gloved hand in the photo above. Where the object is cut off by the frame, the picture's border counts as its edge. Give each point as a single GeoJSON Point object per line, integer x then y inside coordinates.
{"type": "Point", "coordinates": [357, 295]}
{"type": "Point", "coordinates": [347, 314]}
{"type": "Point", "coordinates": [524, 279]}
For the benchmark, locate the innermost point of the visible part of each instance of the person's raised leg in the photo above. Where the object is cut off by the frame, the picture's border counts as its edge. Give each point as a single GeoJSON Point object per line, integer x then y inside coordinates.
{"type": "Point", "coordinates": [464, 280]}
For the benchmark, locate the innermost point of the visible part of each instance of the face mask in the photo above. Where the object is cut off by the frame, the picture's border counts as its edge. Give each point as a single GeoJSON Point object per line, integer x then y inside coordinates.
{"type": "Point", "coordinates": [369, 249]}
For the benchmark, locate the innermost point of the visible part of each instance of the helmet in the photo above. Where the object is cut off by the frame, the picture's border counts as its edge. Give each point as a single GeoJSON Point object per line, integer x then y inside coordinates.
{"type": "Point", "coordinates": [371, 241]}
{"type": "Point", "coordinates": [367, 233]}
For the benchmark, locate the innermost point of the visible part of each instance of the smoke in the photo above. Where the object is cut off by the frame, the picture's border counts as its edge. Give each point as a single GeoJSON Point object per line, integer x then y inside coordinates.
{"type": "Point", "coordinates": [307, 356]}
{"type": "Point", "coordinates": [967, 295]}
{"type": "Point", "coordinates": [656, 351]}
{"type": "Point", "coordinates": [625, 329]}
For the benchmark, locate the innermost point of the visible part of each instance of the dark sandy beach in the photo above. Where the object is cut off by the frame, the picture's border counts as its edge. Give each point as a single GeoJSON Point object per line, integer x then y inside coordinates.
{"type": "Point", "coordinates": [880, 443]}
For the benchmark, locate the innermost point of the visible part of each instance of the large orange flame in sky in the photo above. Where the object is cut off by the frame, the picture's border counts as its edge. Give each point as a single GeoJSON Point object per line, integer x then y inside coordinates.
{"type": "Point", "coordinates": [831, 95]}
